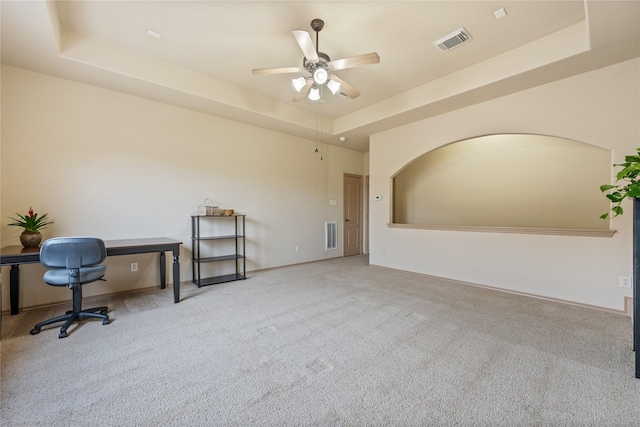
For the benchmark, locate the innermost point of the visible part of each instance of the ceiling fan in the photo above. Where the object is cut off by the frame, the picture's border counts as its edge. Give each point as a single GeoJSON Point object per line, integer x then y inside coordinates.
{"type": "Point", "coordinates": [320, 67]}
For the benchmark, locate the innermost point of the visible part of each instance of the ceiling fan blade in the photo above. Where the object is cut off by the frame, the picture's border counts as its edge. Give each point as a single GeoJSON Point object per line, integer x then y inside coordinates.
{"type": "Point", "coordinates": [282, 70]}
{"type": "Point", "coordinates": [345, 87]}
{"type": "Point", "coordinates": [355, 61]}
{"type": "Point", "coordinates": [306, 44]}
{"type": "Point", "coordinates": [298, 96]}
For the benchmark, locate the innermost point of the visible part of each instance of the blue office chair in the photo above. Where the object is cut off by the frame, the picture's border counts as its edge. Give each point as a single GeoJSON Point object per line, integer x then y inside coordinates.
{"type": "Point", "coordinates": [73, 262]}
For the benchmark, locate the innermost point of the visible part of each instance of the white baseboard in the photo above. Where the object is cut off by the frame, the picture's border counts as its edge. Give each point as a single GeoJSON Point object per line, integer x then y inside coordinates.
{"type": "Point", "coordinates": [628, 302]}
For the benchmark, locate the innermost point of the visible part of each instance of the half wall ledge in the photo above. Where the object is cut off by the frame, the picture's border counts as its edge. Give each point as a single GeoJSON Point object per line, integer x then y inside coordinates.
{"type": "Point", "coordinates": [511, 230]}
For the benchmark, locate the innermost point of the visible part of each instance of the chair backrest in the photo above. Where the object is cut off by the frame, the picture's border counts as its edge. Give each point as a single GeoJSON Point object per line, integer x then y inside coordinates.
{"type": "Point", "coordinates": [72, 252]}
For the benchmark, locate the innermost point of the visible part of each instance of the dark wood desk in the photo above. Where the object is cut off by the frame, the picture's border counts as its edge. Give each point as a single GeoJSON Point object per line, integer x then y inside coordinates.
{"type": "Point", "coordinates": [16, 255]}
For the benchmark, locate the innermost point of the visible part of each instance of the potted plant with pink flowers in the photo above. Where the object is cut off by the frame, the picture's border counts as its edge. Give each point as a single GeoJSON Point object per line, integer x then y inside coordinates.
{"type": "Point", "coordinates": [32, 224]}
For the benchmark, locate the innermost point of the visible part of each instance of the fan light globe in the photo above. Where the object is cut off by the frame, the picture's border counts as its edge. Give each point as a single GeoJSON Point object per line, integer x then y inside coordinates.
{"type": "Point", "coordinates": [320, 76]}
{"type": "Point", "coordinates": [314, 94]}
{"type": "Point", "coordinates": [299, 83]}
{"type": "Point", "coordinates": [333, 86]}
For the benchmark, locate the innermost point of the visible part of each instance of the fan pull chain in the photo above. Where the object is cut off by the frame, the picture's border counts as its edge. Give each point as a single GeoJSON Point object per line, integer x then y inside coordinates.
{"type": "Point", "coordinates": [319, 126]}
{"type": "Point", "coordinates": [321, 97]}
{"type": "Point", "coordinates": [316, 128]}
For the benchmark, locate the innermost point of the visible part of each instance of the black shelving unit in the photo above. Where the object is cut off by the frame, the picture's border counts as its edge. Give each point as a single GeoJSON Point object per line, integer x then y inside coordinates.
{"type": "Point", "coordinates": [210, 235]}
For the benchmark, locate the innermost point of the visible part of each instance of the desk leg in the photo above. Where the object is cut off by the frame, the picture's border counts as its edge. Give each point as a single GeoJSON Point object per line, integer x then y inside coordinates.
{"type": "Point", "coordinates": [14, 288]}
{"type": "Point", "coordinates": [176, 274]}
{"type": "Point", "coordinates": [163, 270]}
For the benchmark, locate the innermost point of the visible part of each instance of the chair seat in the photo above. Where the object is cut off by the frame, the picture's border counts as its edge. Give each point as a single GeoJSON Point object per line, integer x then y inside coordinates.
{"type": "Point", "coordinates": [61, 277]}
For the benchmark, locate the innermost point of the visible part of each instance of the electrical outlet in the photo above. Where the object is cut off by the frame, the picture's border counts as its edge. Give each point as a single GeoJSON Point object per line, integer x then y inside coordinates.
{"type": "Point", "coordinates": [625, 282]}
{"type": "Point", "coordinates": [297, 248]}
{"type": "Point", "coordinates": [134, 266]}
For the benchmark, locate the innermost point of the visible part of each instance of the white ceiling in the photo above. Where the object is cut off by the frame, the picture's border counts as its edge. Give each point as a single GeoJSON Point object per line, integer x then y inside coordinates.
{"type": "Point", "coordinates": [203, 60]}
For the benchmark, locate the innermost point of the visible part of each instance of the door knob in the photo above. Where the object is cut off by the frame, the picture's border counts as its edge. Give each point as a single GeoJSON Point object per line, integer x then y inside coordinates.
{"type": "Point", "coordinates": [346, 220]}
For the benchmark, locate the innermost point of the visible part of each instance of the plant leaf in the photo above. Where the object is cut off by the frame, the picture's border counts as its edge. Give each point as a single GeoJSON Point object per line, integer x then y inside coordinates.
{"type": "Point", "coordinates": [629, 171]}
{"type": "Point", "coordinates": [615, 197]}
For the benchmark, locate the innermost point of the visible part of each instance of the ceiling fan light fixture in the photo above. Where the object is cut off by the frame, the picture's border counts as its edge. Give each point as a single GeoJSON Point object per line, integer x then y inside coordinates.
{"type": "Point", "coordinates": [314, 94]}
{"type": "Point", "coordinates": [320, 75]}
{"type": "Point", "coordinates": [319, 65]}
{"type": "Point", "coordinates": [299, 83]}
{"type": "Point", "coordinates": [333, 86]}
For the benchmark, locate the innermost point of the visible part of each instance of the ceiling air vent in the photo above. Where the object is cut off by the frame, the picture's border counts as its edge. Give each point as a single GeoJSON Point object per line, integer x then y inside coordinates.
{"type": "Point", "coordinates": [452, 40]}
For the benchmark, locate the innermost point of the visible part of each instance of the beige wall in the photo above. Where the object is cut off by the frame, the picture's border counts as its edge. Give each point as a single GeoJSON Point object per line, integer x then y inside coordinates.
{"type": "Point", "coordinates": [601, 108]}
{"type": "Point", "coordinates": [116, 166]}
{"type": "Point", "coordinates": [506, 180]}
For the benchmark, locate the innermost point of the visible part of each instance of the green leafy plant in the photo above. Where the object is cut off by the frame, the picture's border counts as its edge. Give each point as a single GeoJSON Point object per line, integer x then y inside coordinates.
{"type": "Point", "coordinates": [31, 222]}
{"type": "Point", "coordinates": [628, 188]}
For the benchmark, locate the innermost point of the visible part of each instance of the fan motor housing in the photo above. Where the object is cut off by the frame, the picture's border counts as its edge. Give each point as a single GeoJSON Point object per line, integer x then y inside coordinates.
{"type": "Point", "coordinates": [323, 61]}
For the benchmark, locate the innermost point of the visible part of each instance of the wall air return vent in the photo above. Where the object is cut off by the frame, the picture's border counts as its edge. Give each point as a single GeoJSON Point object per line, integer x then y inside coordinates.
{"type": "Point", "coordinates": [452, 40]}
{"type": "Point", "coordinates": [330, 236]}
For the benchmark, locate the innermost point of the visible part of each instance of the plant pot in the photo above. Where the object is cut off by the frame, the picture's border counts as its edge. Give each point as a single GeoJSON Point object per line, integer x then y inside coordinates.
{"type": "Point", "coordinates": [636, 282]}
{"type": "Point", "coordinates": [30, 239]}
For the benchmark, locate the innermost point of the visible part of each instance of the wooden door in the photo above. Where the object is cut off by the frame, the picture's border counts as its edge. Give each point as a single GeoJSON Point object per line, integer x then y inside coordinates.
{"type": "Point", "coordinates": [352, 215]}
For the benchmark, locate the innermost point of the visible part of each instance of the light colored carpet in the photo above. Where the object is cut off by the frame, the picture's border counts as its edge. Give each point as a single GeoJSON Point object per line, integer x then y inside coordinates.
{"type": "Point", "coordinates": [333, 343]}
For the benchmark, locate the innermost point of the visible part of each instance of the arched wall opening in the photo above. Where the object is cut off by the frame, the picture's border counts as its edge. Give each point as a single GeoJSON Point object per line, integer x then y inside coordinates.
{"type": "Point", "coordinates": [505, 180]}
